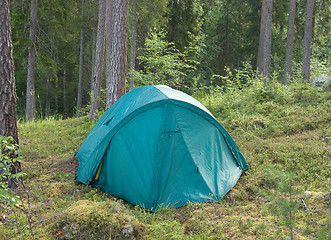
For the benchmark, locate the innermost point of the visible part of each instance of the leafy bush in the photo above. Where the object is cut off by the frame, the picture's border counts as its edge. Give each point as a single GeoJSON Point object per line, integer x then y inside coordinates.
{"type": "Point", "coordinates": [15, 210]}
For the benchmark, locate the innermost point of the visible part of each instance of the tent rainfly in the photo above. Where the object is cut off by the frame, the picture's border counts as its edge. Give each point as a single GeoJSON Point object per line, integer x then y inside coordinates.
{"type": "Point", "coordinates": [158, 147]}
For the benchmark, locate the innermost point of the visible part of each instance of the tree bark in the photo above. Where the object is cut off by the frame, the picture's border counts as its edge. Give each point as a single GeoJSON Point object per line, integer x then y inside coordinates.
{"type": "Point", "coordinates": [267, 41]}
{"type": "Point", "coordinates": [93, 51]}
{"type": "Point", "coordinates": [47, 99]}
{"type": "Point", "coordinates": [30, 83]}
{"type": "Point", "coordinates": [81, 62]}
{"type": "Point", "coordinates": [239, 32]}
{"type": "Point", "coordinates": [118, 59]}
{"type": "Point", "coordinates": [307, 40]}
{"type": "Point", "coordinates": [133, 43]}
{"type": "Point", "coordinates": [289, 43]}
{"type": "Point", "coordinates": [261, 39]}
{"type": "Point", "coordinates": [109, 26]}
{"type": "Point", "coordinates": [99, 59]}
{"type": "Point", "coordinates": [8, 115]}
{"type": "Point", "coordinates": [8, 98]}
{"type": "Point", "coordinates": [65, 107]}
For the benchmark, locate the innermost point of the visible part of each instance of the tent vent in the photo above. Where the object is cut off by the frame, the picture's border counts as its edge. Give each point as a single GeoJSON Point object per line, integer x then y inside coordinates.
{"type": "Point", "coordinates": [197, 170]}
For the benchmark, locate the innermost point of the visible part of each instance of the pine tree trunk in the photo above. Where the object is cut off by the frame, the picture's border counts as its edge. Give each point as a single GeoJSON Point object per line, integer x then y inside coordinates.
{"type": "Point", "coordinates": [289, 43]}
{"type": "Point", "coordinates": [239, 40]}
{"type": "Point", "coordinates": [279, 46]}
{"type": "Point", "coordinates": [99, 59]}
{"type": "Point", "coordinates": [65, 108]}
{"type": "Point", "coordinates": [47, 100]}
{"type": "Point", "coordinates": [267, 41]}
{"type": "Point", "coordinates": [8, 118]}
{"type": "Point", "coordinates": [56, 97]}
{"type": "Point", "coordinates": [30, 83]}
{"type": "Point", "coordinates": [133, 43]}
{"type": "Point", "coordinates": [307, 40]}
{"type": "Point", "coordinates": [261, 39]}
{"type": "Point", "coordinates": [93, 51]}
{"type": "Point", "coordinates": [109, 25]}
{"type": "Point", "coordinates": [81, 62]}
{"type": "Point", "coordinates": [8, 98]}
{"type": "Point", "coordinates": [118, 58]}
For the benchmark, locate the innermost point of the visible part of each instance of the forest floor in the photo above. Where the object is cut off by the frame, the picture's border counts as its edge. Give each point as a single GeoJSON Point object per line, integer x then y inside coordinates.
{"type": "Point", "coordinates": [279, 131]}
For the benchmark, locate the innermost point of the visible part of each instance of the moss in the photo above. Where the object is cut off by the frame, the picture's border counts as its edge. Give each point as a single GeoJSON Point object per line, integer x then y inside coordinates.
{"type": "Point", "coordinates": [85, 219]}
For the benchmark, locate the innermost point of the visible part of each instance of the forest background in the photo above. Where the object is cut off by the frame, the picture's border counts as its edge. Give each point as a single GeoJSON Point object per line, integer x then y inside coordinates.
{"type": "Point", "coordinates": [189, 45]}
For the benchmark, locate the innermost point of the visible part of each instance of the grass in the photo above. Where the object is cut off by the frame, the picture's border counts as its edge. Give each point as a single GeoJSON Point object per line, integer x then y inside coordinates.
{"type": "Point", "coordinates": [277, 128]}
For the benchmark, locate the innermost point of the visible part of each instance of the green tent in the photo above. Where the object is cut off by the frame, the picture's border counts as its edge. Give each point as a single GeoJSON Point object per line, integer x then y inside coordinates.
{"type": "Point", "coordinates": [156, 147]}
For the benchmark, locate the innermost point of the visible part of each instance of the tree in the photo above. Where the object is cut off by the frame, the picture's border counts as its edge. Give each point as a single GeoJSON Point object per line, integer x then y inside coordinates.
{"type": "Point", "coordinates": [307, 40]}
{"type": "Point", "coordinates": [163, 63]}
{"type": "Point", "coordinates": [133, 43]}
{"type": "Point", "coordinates": [109, 35]}
{"type": "Point", "coordinates": [30, 83]}
{"type": "Point", "coordinates": [267, 41]}
{"type": "Point", "coordinates": [182, 21]}
{"type": "Point", "coordinates": [8, 121]}
{"type": "Point", "coordinates": [8, 115]}
{"type": "Point", "coordinates": [261, 38]}
{"type": "Point", "coordinates": [99, 59]}
{"type": "Point", "coordinates": [289, 42]}
{"type": "Point", "coordinates": [116, 77]}
{"type": "Point", "coordinates": [81, 60]}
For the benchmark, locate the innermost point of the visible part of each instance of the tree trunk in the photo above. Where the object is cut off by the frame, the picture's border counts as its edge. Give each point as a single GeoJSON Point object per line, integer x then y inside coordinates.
{"type": "Point", "coordinates": [8, 117]}
{"type": "Point", "coordinates": [289, 43]}
{"type": "Point", "coordinates": [81, 62]}
{"type": "Point", "coordinates": [279, 47]}
{"type": "Point", "coordinates": [99, 59]}
{"type": "Point", "coordinates": [65, 108]}
{"type": "Point", "coordinates": [8, 98]}
{"type": "Point", "coordinates": [93, 51]}
{"type": "Point", "coordinates": [267, 41]}
{"type": "Point", "coordinates": [239, 32]}
{"type": "Point", "coordinates": [133, 43]}
{"type": "Point", "coordinates": [307, 40]}
{"type": "Point", "coordinates": [116, 80]}
{"type": "Point", "coordinates": [173, 21]}
{"type": "Point", "coordinates": [47, 99]}
{"type": "Point", "coordinates": [261, 39]}
{"type": "Point", "coordinates": [56, 97]}
{"type": "Point", "coordinates": [30, 83]}
{"type": "Point", "coordinates": [109, 26]}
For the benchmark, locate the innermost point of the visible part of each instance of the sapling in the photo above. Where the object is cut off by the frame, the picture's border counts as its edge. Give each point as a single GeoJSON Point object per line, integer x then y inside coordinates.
{"type": "Point", "coordinates": [283, 201]}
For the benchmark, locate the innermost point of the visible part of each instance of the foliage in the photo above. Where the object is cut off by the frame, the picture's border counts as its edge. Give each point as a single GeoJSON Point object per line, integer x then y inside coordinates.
{"type": "Point", "coordinates": [163, 63]}
{"type": "Point", "coordinates": [284, 200]}
{"type": "Point", "coordinates": [202, 39]}
{"type": "Point", "coordinates": [8, 161]}
{"type": "Point", "coordinates": [13, 203]}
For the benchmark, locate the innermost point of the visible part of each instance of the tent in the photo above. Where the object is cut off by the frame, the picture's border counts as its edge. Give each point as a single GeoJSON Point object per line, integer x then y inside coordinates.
{"type": "Point", "coordinates": [158, 147]}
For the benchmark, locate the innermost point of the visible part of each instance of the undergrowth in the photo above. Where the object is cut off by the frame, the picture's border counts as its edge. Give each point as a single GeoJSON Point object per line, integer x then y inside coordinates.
{"type": "Point", "coordinates": [283, 132]}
